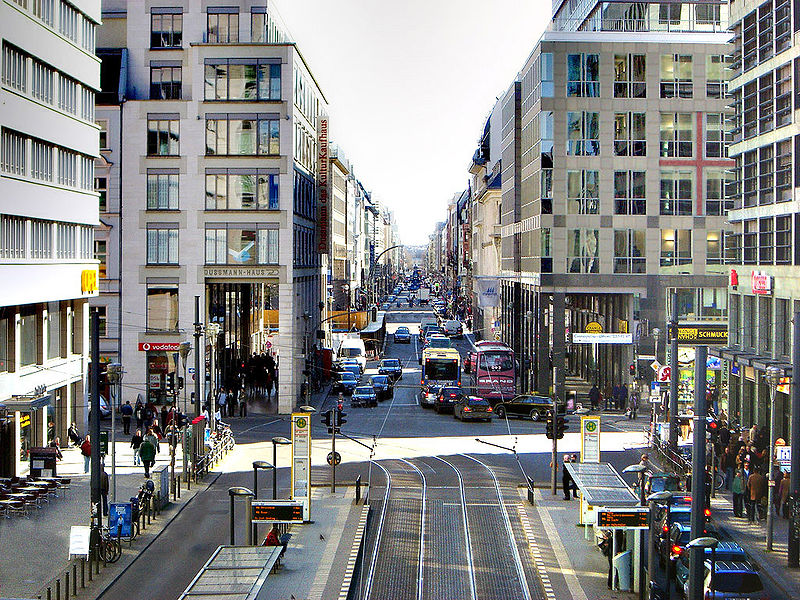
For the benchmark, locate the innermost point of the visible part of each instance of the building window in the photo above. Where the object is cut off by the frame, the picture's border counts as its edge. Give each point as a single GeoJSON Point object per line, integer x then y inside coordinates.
{"type": "Point", "coordinates": [236, 135]}
{"type": "Point", "coordinates": [717, 135]}
{"type": "Point", "coordinates": [101, 187]}
{"type": "Point", "coordinates": [239, 80]}
{"type": "Point", "coordinates": [29, 338]}
{"type": "Point", "coordinates": [103, 133]}
{"type": "Point", "coordinates": [12, 237]}
{"type": "Point", "coordinates": [676, 75]}
{"type": "Point", "coordinates": [766, 113]}
{"type": "Point", "coordinates": [223, 27]}
{"type": "Point", "coordinates": [162, 308]}
{"type": "Point", "coordinates": [582, 251]}
{"type": "Point", "coordinates": [5, 359]}
{"type": "Point", "coordinates": [629, 251]}
{"type": "Point", "coordinates": [43, 82]}
{"type": "Point", "coordinates": [242, 246]}
{"type": "Point", "coordinates": [676, 192]}
{"type": "Point", "coordinates": [750, 242]}
{"type": "Point", "coordinates": [41, 239]}
{"type": "Point", "coordinates": [162, 191]}
{"type": "Point", "coordinates": [263, 29]}
{"type": "Point", "coordinates": [669, 13]}
{"type": "Point", "coordinates": [102, 322]}
{"type": "Point", "coordinates": [43, 9]}
{"type": "Point", "coordinates": [783, 240]}
{"type": "Point", "coordinates": [546, 138]}
{"type": "Point", "coordinates": [86, 236]}
{"type": "Point", "coordinates": [87, 104]}
{"type": "Point", "coordinates": [714, 248]}
{"type": "Point", "coordinates": [547, 191]}
{"type": "Point", "coordinates": [162, 137]}
{"type": "Point", "coordinates": [14, 68]}
{"type": "Point", "coordinates": [546, 248]}
{"type": "Point", "coordinates": [583, 193]}
{"type": "Point", "coordinates": [547, 75]}
{"type": "Point", "coordinates": [87, 173]}
{"type": "Point", "coordinates": [750, 112]}
{"type": "Point", "coordinates": [67, 94]}
{"type": "Point", "coordinates": [629, 193]}
{"type": "Point", "coordinates": [216, 246]}
{"type": "Point", "coordinates": [166, 30]}
{"type": "Point", "coordinates": [68, 21]}
{"type": "Point", "coordinates": [766, 241]}
{"type": "Point", "coordinates": [268, 246]}
{"type": "Point", "coordinates": [66, 240]}
{"type": "Point", "coordinates": [241, 191]}
{"type": "Point", "coordinates": [676, 247]}
{"type": "Point", "coordinates": [630, 76]}
{"type": "Point", "coordinates": [165, 83]}
{"type": "Point", "coordinates": [53, 330]}
{"type": "Point", "coordinates": [717, 203]}
{"type": "Point", "coordinates": [42, 160]}
{"type": "Point", "coordinates": [67, 167]}
{"type": "Point", "coordinates": [630, 134]}
{"type": "Point", "coordinates": [101, 254]}
{"type": "Point", "coordinates": [717, 75]}
{"type": "Point", "coordinates": [583, 134]}
{"type": "Point", "coordinates": [707, 14]}
{"type": "Point", "coordinates": [162, 246]}
{"type": "Point", "coordinates": [676, 135]}
{"type": "Point", "coordinates": [13, 153]}
{"type": "Point", "coordinates": [583, 75]}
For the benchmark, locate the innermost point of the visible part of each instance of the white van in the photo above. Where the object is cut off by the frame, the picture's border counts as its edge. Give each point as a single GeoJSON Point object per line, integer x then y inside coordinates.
{"type": "Point", "coordinates": [354, 348]}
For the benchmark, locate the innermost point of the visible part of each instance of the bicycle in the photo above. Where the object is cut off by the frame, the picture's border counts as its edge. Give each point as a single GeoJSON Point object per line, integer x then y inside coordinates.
{"type": "Point", "coordinates": [110, 548]}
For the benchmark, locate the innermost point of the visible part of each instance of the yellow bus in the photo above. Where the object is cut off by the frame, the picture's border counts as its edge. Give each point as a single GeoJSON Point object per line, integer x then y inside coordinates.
{"type": "Point", "coordinates": [440, 366]}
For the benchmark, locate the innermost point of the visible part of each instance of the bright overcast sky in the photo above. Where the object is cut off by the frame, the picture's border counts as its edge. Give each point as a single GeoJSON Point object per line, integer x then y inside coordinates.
{"type": "Point", "coordinates": [410, 84]}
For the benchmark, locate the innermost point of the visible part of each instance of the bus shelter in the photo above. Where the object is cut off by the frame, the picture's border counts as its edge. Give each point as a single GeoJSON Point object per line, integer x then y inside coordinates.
{"type": "Point", "coordinates": [234, 573]}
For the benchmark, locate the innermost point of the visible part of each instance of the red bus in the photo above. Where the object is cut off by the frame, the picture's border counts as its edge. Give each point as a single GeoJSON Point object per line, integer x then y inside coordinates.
{"type": "Point", "coordinates": [495, 371]}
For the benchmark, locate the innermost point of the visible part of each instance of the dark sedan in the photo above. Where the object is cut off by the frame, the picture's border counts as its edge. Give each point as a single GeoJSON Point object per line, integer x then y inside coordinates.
{"type": "Point", "coordinates": [364, 396]}
{"type": "Point", "coordinates": [382, 385]}
{"type": "Point", "coordinates": [402, 335]}
{"type": "Point", "coordinates": [391, 367]}
{"type": "Point", "coordinates": [345, 382]}
{"type": "Point", "coordinates": [472, 408]}
{"type": "Point", "coordinates": [447, 398]}
{"type": "Point", "coordinates": [526, 405]}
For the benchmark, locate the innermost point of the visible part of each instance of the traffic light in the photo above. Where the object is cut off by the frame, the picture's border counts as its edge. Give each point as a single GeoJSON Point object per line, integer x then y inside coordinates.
{"type": "Point", "coordinates": [561, 426]}
{"type": "Point", "coordinates": [632, 369]}
{"type": "Point", "coordinates": [712, 429]}
{"type": "Point", "coordinates": [180, 383]}
{"type": "Point", "coordinates": [340, 420]}
{"type": "Point", "coordinates": [327, 417]}
{"type": "Point", "coordinates": [171, 382]}
{"type": "Point", "coordinates": [549, 427]}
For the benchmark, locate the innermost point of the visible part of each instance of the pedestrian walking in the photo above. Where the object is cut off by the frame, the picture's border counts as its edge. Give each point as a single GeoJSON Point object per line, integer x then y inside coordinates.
{"type": "Point", "coordinates": [738, 488]}
{"type": "Point", "coordinates": [566, 479]}
{"type": "Point", "coordinates": [86, 451]}
{"type": "Point", "coordinates": [243, 406]}
{"type": "Point", "coordinates": [164, 416]}
{"type": "Point", "coordinates": [222, 401]}
{"type": "Point", "coordinates": [127, 413]}
{"type": "Point", "coordinates": [594, 397]}
{"type": "Point", "coordinates": [754, 490]}
{"type": "Point", "coordinates": [783, 494]}
{"type": "Point", "coordinates": [138, 412]}
{"type": "Point", "coordinates": [147, 451]}
{"type": "Point", "coordinates": [136, 442]}
{"type": "Point", "coordinates": [104, 490]}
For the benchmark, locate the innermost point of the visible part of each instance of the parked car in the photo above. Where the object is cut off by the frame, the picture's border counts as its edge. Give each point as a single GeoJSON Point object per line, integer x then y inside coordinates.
{"type": "Point", "coordinates": [527, 405]}
{"type": "Point", "coordinates": [665, 519]}
{"type": "Point", "coordinates": [732, 580]}
{"type": "Point", "coordinates": [472, 408]}
{"type": "Point", "coordinates": [105, 409]}
{"type": "Point", "coordinates": [447, 398]}
{"type": "Point", "coordinates": [382, 384]}
{"type": "Point", "coordinates": [453, 328]}
{"type": "Point", "coordinates": [345, 382]}
{"type": "Point", "coordinates": [402, 335]}
{"type": "Point", "coordinates": [725, 552]}
{"type": "Point", "coordinates": [427, 395]}
{"type": "Point", "coordinates": [392, 368]}
{"type": "Point", "coordinates": [364, 395]}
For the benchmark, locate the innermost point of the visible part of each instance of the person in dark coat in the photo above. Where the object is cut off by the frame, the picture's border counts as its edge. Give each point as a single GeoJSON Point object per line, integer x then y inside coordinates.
{"type": "Point", "coordinates": [127, 413]}
{"type": "Point", "coordinates": [138, 412]}
{"type": "Point", "coordinates": [104, 491]}
{"type": "Point", "coordinates": [566, 479]}
{"type": "Point", "coordinates": [594, 397]}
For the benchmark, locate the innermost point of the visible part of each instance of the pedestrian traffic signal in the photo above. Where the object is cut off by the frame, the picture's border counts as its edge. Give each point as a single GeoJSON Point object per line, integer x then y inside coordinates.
{"type": "Point", "coordinates": [632, 369]}
{"type": "Point", "coordinates": [327, 417]}
{"type": "Point", "coordinates": [561, 426]}
{"type": "Point", "coordinates": [340, 420]}
{"type": "Point", "coordinates": [549, 427]}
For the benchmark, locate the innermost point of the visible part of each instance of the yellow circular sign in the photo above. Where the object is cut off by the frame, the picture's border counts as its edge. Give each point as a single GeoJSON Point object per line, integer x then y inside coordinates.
{"type": "Point", "coordinates": [301, 423]}
{"type": "Point", "coordinates": [591, 426]}
{"type": "Point", "coordinates": [594, 327]}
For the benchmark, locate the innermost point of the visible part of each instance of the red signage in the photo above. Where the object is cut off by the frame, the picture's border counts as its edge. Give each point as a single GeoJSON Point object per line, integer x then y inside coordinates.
{"type": "Point", "coordinates": [761, 283]}
{"type": "Point", "coordinates": [734, 278]}
{"type": "Point", "coordinates": [159, 346]}
{"type": "Point", "coordinates": [322, 181]}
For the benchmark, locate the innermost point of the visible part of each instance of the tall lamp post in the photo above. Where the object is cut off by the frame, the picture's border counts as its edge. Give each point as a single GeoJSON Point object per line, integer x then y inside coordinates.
{"type": "Point", "coordinates": [773, 377]}
{"type": "Point", "coordinates": [703, 543]}
{"type": "Point", "coordinates": [114, 374]}
{"type": "Point", "coordinates": [640, 470]}
{"type": "Point", "coordinates": [212, 332]}
{"type": "Point", "coordinates": [276, 441]}
{"type": "Point", "coordinates": [184, 349]}
{"type": "Point", "coordinates": [656, 334]}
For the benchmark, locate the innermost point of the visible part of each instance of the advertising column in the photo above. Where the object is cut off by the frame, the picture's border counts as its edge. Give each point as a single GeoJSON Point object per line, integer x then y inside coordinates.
{"type": "Point", "coordinates": [301, 462]}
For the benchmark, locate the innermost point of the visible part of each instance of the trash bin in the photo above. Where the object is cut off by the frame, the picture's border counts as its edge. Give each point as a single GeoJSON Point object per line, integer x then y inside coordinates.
{"type": "Point", "coordinates": [43, 461]}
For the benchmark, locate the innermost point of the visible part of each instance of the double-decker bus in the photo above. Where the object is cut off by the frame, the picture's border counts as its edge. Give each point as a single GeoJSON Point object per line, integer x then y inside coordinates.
{"type": "Point", "coordinates": [494, 371]}
{"type": "Point", "coordinates": [440, 366]}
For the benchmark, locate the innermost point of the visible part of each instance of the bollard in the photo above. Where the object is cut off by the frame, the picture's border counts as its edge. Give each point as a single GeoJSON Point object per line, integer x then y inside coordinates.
{"type": "Point", "coordinates": [358, 489]}
{"type": "Point", "coordinates": [83, 572]}
{"type": "Point", "coordinates": [66, 585]}
{"type": "Point", "coordinates": [58, 589]}
{"type": "Point", "coordinates": [74, 579]}
{"type": "Point", "coordinates": [49, 594]}
{"type": "Point", "coordinates": [531, 498]}
{"type": "Point", "coordinates": [91, 566]}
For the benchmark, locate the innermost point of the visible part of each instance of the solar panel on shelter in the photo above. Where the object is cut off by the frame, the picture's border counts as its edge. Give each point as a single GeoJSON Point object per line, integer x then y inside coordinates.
{"type": "Point", "coordinates": [601, 485]}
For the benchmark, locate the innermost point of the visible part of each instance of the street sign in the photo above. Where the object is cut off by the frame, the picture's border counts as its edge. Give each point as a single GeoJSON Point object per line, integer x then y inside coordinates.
{"type": "Point", "coordinates": [104, 443]}
{"type": "Point", "coordinates": [590, 439]}
{"type": "Point", "coordinates": [784, 456]}
{"type": "Point", "coordinates": [602, 338]}
{"type": "Point", "coordinates": [334, 458]}
{"type": "Point", "coordinates": [622, 518]}
{"type": "Point", "coordinates": [301, 461]}
{"type": "Point", "coordinates": [281, 511]}
{"type": "Point", "coordinates": [664, 373]}
{"type": "Point", "coordinates": [655, 365]}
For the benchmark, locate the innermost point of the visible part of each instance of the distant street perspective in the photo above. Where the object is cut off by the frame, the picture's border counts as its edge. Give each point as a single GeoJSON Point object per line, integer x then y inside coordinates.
{"type": "Point", "coordinates": [309, 300]}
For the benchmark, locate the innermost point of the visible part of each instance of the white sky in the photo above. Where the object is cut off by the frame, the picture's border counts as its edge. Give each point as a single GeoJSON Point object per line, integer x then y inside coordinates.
{"type": "Point", "coordinates": [410, 84]}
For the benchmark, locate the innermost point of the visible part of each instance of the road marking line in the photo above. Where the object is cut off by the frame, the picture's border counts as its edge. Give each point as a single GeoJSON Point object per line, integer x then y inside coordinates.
{"type": "Point", "coordinates": [536, 554]}
{"type": "Point", "coordinates": [358, 541]}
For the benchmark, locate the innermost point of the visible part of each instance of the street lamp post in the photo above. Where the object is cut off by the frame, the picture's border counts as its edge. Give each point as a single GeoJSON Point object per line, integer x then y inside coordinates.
{"type": "Point", "coordinates": [702, 543]}
{"type": "Point", "coordinates": [241, 491]}
{"type": "Point", "coordinates": [184, 349]}
{"type": "Point", "coordinates": [258, 464]}
{"type": "Point", "coordinates": [114, 373]}
{"type": "Point", "coordinates": [213, 331]}
{"type": "Point", "coordinates": [640, 470]}
{"type": "Point", "coordinates": [276, 441]}
{"type": "Point", "coordinates": [773, 377]}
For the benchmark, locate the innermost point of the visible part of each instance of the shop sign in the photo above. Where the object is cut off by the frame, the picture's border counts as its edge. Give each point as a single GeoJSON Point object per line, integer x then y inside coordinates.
{"type": "Point", "coordinates": [155, 381]}
{"type": "Point", "coordinates": [783, 386]}
{"type": "Point", "coordinates": [243, 271]}
{"type": "Point", "coordinates": [703, 333]}
{"type": "Point", "coordinates": [88, 281]}
{"type": "Point", "coordinates": [159, 346]}
{"type": "Point", "coordinates": [761, 283]}
{"type": "Point", "coordinates": [322, 182]}
{"type": "Point", "coordinates": [593, 327]}
{"type": "Point", "coordinates": [622, 325]}
{"type": "Point", "coordinates": [750, 373]}
{"type": "Point", "coordinates": [602, 338]}
{"type": "Point", "coordinates": [783, 454]}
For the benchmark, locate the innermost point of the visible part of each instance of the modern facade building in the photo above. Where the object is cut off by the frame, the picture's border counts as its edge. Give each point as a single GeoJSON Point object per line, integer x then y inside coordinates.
{"type": "Point", "coordinates": [614, 164]}
{"type": "Point", "coordinates": [227, 188]}
{"type": "Point", "coordinates": [764, 287]}
{"type": "Point", "coordinates": [48, 209]}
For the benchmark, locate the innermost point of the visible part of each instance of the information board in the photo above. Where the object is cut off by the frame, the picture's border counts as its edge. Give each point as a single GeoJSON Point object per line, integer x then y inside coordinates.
{"type": "Point", "coordinates": [628, 518]}
{"type": "Point", "coordinates": [282, 511]}
{"type": "Point", "coordinates": [79, 540]}
{"type": "Point", "coordinates": [120, 516]}
{"type": "Point", "coordinates": [590, 439]}
{"type": "Point", "coordinates": [301, 461]}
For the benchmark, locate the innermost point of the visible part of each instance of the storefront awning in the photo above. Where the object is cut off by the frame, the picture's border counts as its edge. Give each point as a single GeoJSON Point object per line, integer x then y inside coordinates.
{"type": "Point", "coordinates": [601, 485]}
{"type": "Point", "coordinates": [25, 403]}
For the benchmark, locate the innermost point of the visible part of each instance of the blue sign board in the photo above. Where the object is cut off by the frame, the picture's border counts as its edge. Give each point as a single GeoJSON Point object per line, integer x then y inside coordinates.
{"type": "Point", "coordinates": [120, 516]}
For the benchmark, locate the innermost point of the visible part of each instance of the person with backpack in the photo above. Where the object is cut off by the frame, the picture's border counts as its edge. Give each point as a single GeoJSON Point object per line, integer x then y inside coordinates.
{"type": "Point", "coordinates": [147, 452]}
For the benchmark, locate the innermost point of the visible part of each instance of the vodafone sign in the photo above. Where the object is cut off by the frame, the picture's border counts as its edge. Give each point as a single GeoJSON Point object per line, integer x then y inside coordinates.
{"type": "Point", "coordinates": [159, 346]}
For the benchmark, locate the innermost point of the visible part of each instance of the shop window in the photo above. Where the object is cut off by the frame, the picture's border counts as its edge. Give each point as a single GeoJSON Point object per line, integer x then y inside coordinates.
{"type": "Point", "coordinates": [162, 308]}
{"type": "Point", "coordinates": [53, 330]}
{"type": "Point", "coordinates": [29, 338]}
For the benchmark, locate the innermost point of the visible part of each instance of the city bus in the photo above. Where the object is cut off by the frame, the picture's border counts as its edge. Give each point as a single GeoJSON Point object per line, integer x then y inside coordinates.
{"type": "Point", "coordinates": [440, 366]}
{"type": "Point", "coordinates": [495, 372]}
